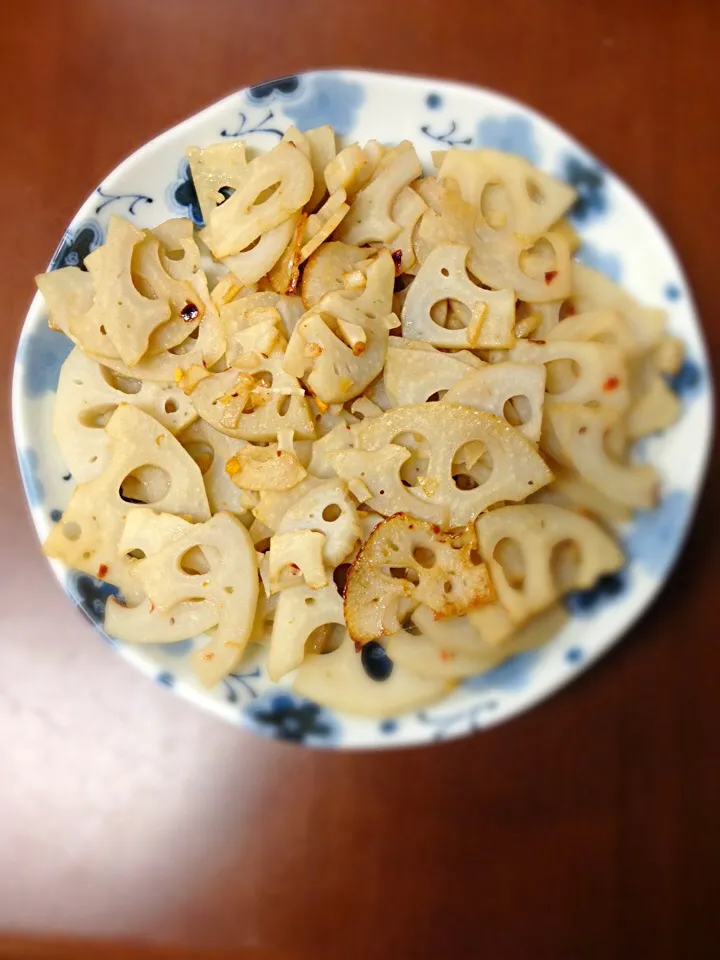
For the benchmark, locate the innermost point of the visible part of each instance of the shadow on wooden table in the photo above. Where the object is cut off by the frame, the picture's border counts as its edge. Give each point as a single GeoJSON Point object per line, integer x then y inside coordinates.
{"type": "Point", "coordinates": [24, 948]}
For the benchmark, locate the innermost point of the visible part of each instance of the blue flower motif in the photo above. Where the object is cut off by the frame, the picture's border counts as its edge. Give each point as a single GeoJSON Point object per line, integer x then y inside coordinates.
{"type": "Point", "coordinates": [608, 263]}
{"type": "Point", "coordinates": [433, 101]}
{"type": "Point", "coordinates": [376, 663]}
{"type": "Point", "coordinates": [388, 726]}
{"type": "Point", "coordinates": [56, 515]}
{"type": "Point", "coordinates": [574, 655]}
{"type": "Point", "coordinates": [76, 244]}
{"type": "Point", "coordinates": [653, 540]}
{"type": "Point", "coordinates": [512, 134]}
{"type": "Point", "coordinates": [687, 382]}
{"type": "Point", "coordinates": [285, 716]}
{"type": "Point", "coordinates": [165, 679]}
{"type": "Point", "coordinates": [672, 292]}
{"type": "Point", "coordinates": [283, 87]}
{"type": "Point", "coordinates": [586, 603]}
{"type": "Point", "coordinates": [182, 196]}
{"type": "Point", "coordinates": [588, 178]}
{"type": "Point", "coordinates": [327, 99]}
{"type": "Point", "coordinates": [512, 674]}
{"type": "Point", "coordinates": [90, 595]}
{"type": "Point", "coordinates": [42, 352]}
{"type": "Point", "coordinates": [29, 464]}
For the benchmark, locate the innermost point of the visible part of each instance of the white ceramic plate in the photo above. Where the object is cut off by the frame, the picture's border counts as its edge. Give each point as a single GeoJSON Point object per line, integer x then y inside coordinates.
{"type": "Point", "coordinates": [621, 238]}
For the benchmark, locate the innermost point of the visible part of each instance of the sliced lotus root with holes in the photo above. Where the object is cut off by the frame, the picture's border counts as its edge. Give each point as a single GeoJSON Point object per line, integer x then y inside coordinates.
{"type": "Point", "coordinates": [213, 562]}
{"type": "Point", "coordinates": [655, 406]}
{"type": "Point", "coordinates": [353, 167]}
{"type": "Point", "coordinates": [537, 552]}
{"type": "Point", "coordinates": [339, 680]}
{"type": "Point", "coordinates": [152, 279]}
{"type": "Point", "coordinates": [420, 656]}
{"type": "Point", "coordinates": [443, 277]}
{"type": "Point", "coordinates": [179, 253]}
{"type": "Point", "coordinates": [146, 532]}
{"type": "Point", "coordinates": [68, 293]}
{"type": "Point", "coordinates": [259, 258]}
{"type": "Point", "coordinates": [531, 200]}
{"type": "Point", "coordinates": [300, 611]}
{"type": "Point", "coordinates": [140, 449]}
{"type": "Point", "coordinates": [516, 468]}
{"type": "Point", "coordinates": [274, 504]}
{"type": "Point", "coordinates": [592, 290]}
{"type": "Point", "coordinates": [211, 451]}
{"type": "Point", "coordinates": [370, 218]}
{"type": "Point", "coordinates": [204, 347]}
{"type": "Point", "coordinates": [339, 438]}
{"type": "Point", "coordinates": [325, 269]}
{"type": "Point", "coordinates": [537, 269]}
{"type": "Point", "coordinates": [586, 440]}
{"type": "Point", "coordinates": [332, 370]}
{"type": "Point", "coordinates": [427, 656]}
{"type": "Point", "coordinates": [512, 391]}
{"type": "Point", "coordinates": [86, 398]}
{"type": "Point", "coordinates": [319, 226]}
{"type": "Point", "coordinates": [570, 491]}
{"type": "Point", "coordinates": [128, 317]}
{"type": "Point", "coordinates": [579, 371]}
{"type": "Point", "coordinates": [250, 213]}
{"type": "Point", "coordinates": [405, 561]}
{"type": "Point", "coordinates": [254, 403]}
{"type": "Point", "coordinates": [241, 314]}
{"type": "Point", "coordinates": [328, 509]}
{"type": "Point", "coordinates": [294, 557]}
{"type": "Point", "coordinates": [265, 468]}
{"type": "Point", "coordinates": [413, 376]}
{"type": "Point", "coordinates": [217, 171]}
{"type": "Point", "coordinates": [474, 633]}
{"type": "Point", "coordinates": [537, 320]}
{"type": "Point", "coordinates": [406, 212]}
{"type": "Point", "coordinates": [284, 276]}
{"type": "Point", "coordinates": [322, 151]}
{"type": "Point", "coordinates": [602, 326]}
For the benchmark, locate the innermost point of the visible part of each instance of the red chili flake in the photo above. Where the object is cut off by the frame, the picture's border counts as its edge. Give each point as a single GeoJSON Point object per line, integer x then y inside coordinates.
{"type": "Point", "coordinates": [294, 566]}
{"type": "Point", "coordinates": [612, 383]}
{"type": "Point", "coordinates": [446, 655]}
{"type": "Point", "coordinates": [550, 276]}
{"type": "Point", "coordinates": [152, 607]}
{"type": "Point", "coordinates": [397, 260]}
{"type": "Point", "coordinates": [189, 311]}
{"type": "Point", "coordinates": [570, 310]}
{"type": "Point", "coordinates": [278, 453]}
{"type": "Point", "coordinates": [102, 570]}
{"type": "Point", "coordinates": [436, 529]}
{"type": "Point", "coordinates": [582, 430]}
{"type": "Point", "coordinates": [358, 646]}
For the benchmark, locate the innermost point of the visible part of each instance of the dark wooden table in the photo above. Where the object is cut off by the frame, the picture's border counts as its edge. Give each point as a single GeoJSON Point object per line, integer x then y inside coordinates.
{"type": "Point", "coordinates": [586, 828]}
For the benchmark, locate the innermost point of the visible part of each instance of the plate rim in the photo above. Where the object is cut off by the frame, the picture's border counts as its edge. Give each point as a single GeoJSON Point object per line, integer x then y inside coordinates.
{"type": "Point", "coordinates": [556, 684]}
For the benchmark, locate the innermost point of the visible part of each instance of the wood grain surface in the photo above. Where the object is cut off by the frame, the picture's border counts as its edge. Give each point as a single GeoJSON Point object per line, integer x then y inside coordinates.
{"type": "Point", "coordinates": [585, 829]}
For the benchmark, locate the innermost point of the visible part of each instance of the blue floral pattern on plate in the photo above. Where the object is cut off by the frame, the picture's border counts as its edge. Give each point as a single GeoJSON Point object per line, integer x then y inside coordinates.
{"type": "Point", "coordinates": [285, 716]}
{"type": "Point", "coordinates": [602, 260]}
{"type": "Point", "coordinates": [41, 355]}
{"type": "Point", "coordinates": [326, 98]}
{"type": "Point", "coordinates": [76, 244]}
{"type": "Point", "coordinates": [182, 197]}
{"type": "Point", "coordinates": [361, 106]}
{"type": "Point", "coordinates": [511, 134]}
{"type": "Point", "coordinates": [590, 181]}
